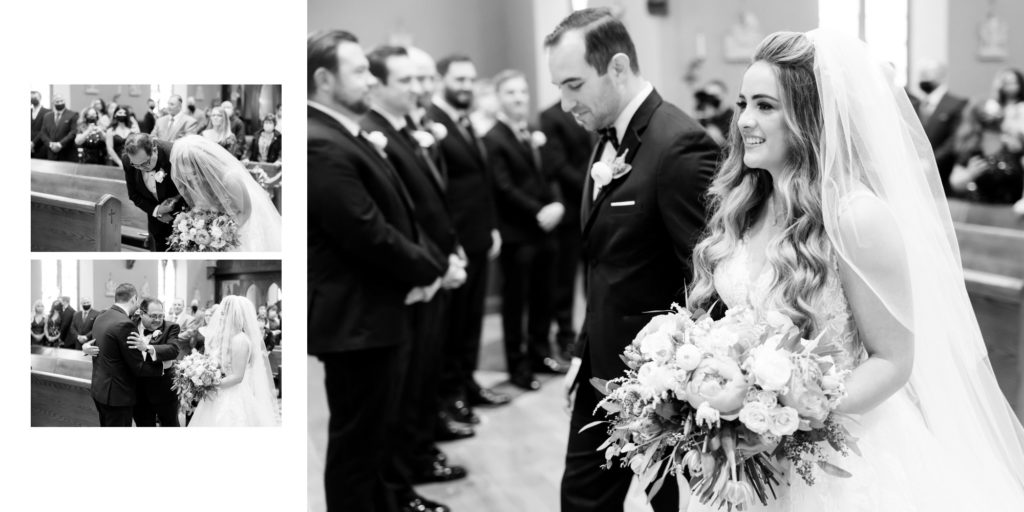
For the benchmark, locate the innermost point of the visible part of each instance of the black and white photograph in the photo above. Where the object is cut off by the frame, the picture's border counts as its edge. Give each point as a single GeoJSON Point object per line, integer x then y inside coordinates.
{"type": "Point", "coordinates": [179, 168]}
{"type": "Point", "coordinates": [658, 255]}
{"type": "Point", "coordinates": [147, 343]}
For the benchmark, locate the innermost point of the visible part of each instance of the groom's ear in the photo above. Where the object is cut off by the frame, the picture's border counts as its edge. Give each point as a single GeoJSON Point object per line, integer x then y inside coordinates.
{"type": "Point", "coordinates": [619, 64]}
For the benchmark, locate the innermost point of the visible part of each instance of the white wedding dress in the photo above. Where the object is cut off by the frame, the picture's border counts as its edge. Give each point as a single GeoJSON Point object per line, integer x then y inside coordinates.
{"type": "Point", "coordinates": [210, 177]}
{"type": "Point", "coordinates": [252, 401]}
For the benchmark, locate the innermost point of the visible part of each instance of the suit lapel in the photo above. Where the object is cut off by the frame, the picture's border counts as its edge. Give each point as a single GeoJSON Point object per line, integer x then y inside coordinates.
{"type": "Point", "coordinates": [629, 147]}
{"type": "Point", "coordinates": [453, 127]}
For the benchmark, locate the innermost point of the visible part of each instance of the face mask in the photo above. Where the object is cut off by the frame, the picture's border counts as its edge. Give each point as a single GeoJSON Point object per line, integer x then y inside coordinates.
{"type": "Point", "coordinates": [91, 119]}
{"type": "Point", "coordinates": [35, 102]}
{"type": "Point", "coordinates": [927, 86]}
{"type": "Point", "coordinates": [122, 119]}
{"type": "Point", "coordinates": [194, 309]}
{"type": "Point", "coordinates": [58, 106]}
{"type": "Point", "coordinates": [86, 307]}
{"type": "Point", "coordinates": [268, 127]}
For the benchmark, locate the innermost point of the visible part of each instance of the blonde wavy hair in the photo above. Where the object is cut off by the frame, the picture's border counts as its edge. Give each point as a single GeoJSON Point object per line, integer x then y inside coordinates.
{"type": "Point", "coordinates": [800, 257]}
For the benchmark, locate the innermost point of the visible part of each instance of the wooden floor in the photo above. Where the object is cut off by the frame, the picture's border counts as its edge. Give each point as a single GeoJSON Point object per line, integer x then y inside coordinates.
{"type": "Point", "coordinates": [515, 460]}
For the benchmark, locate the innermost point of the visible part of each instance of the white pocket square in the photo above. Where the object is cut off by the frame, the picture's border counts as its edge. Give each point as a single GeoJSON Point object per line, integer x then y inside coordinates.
{"type": "Point", "coordinates": [624, 203]}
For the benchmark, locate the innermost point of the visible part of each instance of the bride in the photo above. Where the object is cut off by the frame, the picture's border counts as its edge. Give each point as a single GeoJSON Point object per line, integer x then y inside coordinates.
{"type": "Point", "coordinates": [208, 176]}
{"type": "Point", "coordinates": [829, 208]}
{"type": "Point", "coordinates": [246, 396]}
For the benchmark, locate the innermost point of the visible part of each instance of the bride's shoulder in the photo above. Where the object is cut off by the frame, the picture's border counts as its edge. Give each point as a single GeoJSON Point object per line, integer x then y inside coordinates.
{"type": "Point", "coordinates": [240, 340]}
{"type": "Point", "coordinates": [867, 228]}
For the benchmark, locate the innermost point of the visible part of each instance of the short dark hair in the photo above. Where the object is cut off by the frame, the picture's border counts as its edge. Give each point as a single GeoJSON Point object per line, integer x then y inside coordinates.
{"type": "Point", "coordinates": [124, 292]}
{"type": "Point", "coordinates": [144, 305]}
{"type": "Point", "coordinates": [447, 61]}
{"type": "Point", "coordinates": [603, 37]}
{"type": "Point", "coordinates": [379, 60]}
{"type": "Point", "coordinates": [137, 141]}
{"type": "Point", "coordinates": [322, 52]}
{"type": "Point", "coordinates": [270, 117]}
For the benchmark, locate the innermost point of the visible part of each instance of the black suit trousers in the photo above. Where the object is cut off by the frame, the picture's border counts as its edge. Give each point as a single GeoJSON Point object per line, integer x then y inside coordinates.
{"type": "Point", "coordinates": [111, 416]}
{"type": "Point", "coordinates": [586, 487]}
{"type": "Point", "coordinates": [567, 265]}
{"type": "Point", "coordinates": [527, 277]}
{"type": "Point", "coordinates": [362, 395]}
{"type": "Point", "coordinates": [465, 325]}
{"type": "Point", "coordinates": [147, 413]}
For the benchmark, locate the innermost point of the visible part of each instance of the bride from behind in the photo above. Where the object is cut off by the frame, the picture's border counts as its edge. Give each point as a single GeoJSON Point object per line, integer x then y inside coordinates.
{"type": "Point", "coordinates": [210, 177]}
{"type": "Point", "coordinates": [246, 396]}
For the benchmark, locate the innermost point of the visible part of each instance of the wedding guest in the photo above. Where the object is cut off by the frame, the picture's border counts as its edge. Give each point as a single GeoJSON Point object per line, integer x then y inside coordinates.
{"type": "Point", "coordinates": [38, 322]}
{"type": "Point", "coordinates": [940, 113]}
{"type": "Point", "coordinates": [235, 122]}
{"type": "Point", "coordinates": [176, 124]}
{"type": "Point", "coordinates": [177, 313]}
{"type": "Point", "coordinates": [219, 131]}
{"type": "Point", "coordinates": [367, 260]}
{"type": "Point", "coordinates": [989, 166]}
{"type": "Point", "coordinates": [158, 340]}
{"type": "Point", "coordinates": [416, 458]}
{"type": "Point", "coordinates": [149, 119]}
{"type": "Point", "coordinates": [638, 235]}
{"type": "Point", "coordinates": [103, 119]}
{"type": "Point", "coordinates": [38, 113]}
{"type": "Point", "coordinates": [202, 122]}
{"type": "Point", "coordinates": [714, 111]}
{"type": "Point", "coordinates": [57, 135]}
{"type": "Point", "coordinates": [471, 202]}
{"type": "Point", "coordinates": [1009, 92]}
{"type": "Point", "coordinates": [272, 336]}
{"type": "Point", "coordinates": [565, 157]}
{"type": "Point", "coordinates": [81, 323]}
{"type": "Point", "coordinates": [117, 133]}
{"type": "Point", "coordinates": [277, 112]}
{"type": "Point", "coordinates": [529, 209]}
{"type": "Point", "coordinates": [53, 322]}
{"type": "Point", "coordinates": [91, 140]}
{"type": "Point", "coordinates": [266, 146]}
{"type": "Point", "coordinates": [67, 316]}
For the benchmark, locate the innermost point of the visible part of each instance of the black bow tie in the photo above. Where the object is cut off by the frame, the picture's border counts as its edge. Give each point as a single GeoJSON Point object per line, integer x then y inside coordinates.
{"type": "Point", "coordinates": [609, 135]}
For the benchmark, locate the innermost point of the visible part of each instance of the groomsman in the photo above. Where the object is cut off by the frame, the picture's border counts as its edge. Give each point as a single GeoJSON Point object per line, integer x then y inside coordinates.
{"type": "Point", "coordinates": [639, 228]}
{"type": "Point", "coordinates": [472, 205]}
{"type": "Point", "coordinates": [67, 318]}
{"type": "Point", "coordinates": [159, 346]}
{"type": "Point", "coordinates": [417, 459]}
{"type": "Point", "coordinates": [367, 259]}
{"type": "Point", "coordinates": [565, 157]}
{"type": "Point", "coordinates": [529, 209]}
{"type": "Point", "coordinates": [38, 114]}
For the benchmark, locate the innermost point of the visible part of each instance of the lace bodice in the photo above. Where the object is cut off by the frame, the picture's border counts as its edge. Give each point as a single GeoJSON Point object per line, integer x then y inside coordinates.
{"type": "Point", "coordinates": [732, 282]}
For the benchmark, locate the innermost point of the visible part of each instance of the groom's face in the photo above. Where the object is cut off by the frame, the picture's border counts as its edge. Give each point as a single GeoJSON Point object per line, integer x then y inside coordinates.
{"type": "Point", "coordinates": [590, 97]}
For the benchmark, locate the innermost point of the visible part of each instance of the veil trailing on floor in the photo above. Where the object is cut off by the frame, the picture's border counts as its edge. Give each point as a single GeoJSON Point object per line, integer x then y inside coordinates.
{"type": "Point", "coordinates": [873, 139]}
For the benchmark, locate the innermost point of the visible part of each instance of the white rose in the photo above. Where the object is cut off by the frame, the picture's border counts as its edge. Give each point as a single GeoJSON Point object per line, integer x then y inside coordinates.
{"type": "Point", "coordinates": [770, 368]}
{"type": "Point", "coordinates": [601, 173]}
{"type": "Point", "coordinates": [784, 421]}
{"type": "Point", "coordinates": [438, 131]}
{"type": "Point", "coordinates": [538, 139]}
{"type": "Point", "coordinates": [688, 357]}
{"type": "Point", "coordinates": [159, 176]}
{"type": "Point", "coordinates": [656, 378]}
{"type": "Point", "coordinates": [424, 139]}
{"type": "Point", "coordinates": [657, 346]}
{"type": "Point", "coordinates": [200, 223]}
{"type": "Point", "coordinates": [756, 417]}
{"type": "Point", "coordinates": [378, 140]}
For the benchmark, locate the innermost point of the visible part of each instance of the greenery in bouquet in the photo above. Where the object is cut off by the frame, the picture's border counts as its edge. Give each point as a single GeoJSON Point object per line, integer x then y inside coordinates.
{"type": "Point", "coordinates": [720, 404]}
{"type": "Point", "coordinates": [202, 230]}
{"type": "Point", "coordinates": [196, 377]}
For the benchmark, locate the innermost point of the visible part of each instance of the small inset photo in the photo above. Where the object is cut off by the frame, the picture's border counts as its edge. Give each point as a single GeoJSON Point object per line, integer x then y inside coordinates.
{"type": "Point", "coordinates": [179, 168]}
{"type": "Point", "coordinates": [146, 343]}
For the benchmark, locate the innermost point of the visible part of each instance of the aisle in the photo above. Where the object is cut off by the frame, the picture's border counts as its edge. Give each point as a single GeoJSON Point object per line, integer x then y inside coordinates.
{"type": "Point", "coordinates": [514, 461]}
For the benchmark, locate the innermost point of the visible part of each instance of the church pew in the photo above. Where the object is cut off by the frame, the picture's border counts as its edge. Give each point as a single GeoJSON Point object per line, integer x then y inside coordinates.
{"type": "Point", "coordinates": [60, 396]}
{"type": "Point", "coordinates": [63, 224]}
{"type": "Point", "coordinates": [76, 169]}
{"type": "Point", "coordinates": [133, 220]}
{"type": "Point", "coordinates": [992, 215]}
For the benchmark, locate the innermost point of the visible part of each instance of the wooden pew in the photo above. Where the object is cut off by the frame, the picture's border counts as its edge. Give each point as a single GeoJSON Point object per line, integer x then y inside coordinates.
{"type": "Point", "coordinates": [60, 395]}
{"type": "Point", "coordinates": [76, 169]}
{"type": "Point", "coordinates": [63, 224]}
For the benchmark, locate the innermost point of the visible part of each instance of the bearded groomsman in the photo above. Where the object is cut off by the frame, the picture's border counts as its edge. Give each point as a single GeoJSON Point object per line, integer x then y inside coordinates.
{"type": "Point", "coordinates": [367, 259]}
{"type": "Point", "coordinates": [417, 458]}
{"type": "Point", "coordinates": [639, 226]}
{"type": "Point", "coordinates": [472, 205]}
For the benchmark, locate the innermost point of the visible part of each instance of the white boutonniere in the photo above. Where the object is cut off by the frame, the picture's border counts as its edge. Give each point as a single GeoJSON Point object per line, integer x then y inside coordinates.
{"type": "Point", "coordinates": [159, 176]}
{"type": "Point", "coordinates": [155, 335]}
{"type": "Point", "coordinates": [604, 173]}
{"type": "Point", "coordinates": [379, 141]}
{"type": "Point", "coordinates": [438, 131]}
{"type": "Point", "coordinates": [424, 139]}
{"type": "Point", "coordinates": [538, 139]}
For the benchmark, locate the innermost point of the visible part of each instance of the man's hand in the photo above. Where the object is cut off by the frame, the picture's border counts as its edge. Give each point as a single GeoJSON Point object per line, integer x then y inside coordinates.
{"type": "Point", "coordinates": [82, 339]}
{"type": "Point", "coordinates": [495, 250]}
{"type": "Point", "coordinates": [456, 274]}
{"type": "Point", "coordinates": [423, 293]}
{"type": "Point", "coordinates": [90, 349]}
{"type": "Point", "coordinates": [570, 379]}
{"type": "Point", "coordinates": [550, 215]}
{"type": "Point", "coordinates": [166, 218]}
{"type": "Point", "coordinates": [138, 342]}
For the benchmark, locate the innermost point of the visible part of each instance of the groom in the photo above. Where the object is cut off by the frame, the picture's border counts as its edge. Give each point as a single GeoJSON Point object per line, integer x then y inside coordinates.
{"type": "Point", "coordinates": [639, 227]}
{"type": "Point", "coordinates": [147, 172]}
{"type": "Point", "coordinates": [118, 365]}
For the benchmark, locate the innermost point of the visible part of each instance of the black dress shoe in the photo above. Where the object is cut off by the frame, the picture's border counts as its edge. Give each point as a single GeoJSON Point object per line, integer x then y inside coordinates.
{"type": "Point", "coordinates": [450, 430]}
{"type": "Point", "coordinates": [421, 504]}
{"type": "Point", "coordinates": [487, 397]}
{"type": "Point", "coordinates": [462, 413]}
{"type": "Point", "coordinates": [438, 472]}
{"type": "Point", "coordinates": [525, 381]}
{"type": "Point", "coordinates": [550, 365]}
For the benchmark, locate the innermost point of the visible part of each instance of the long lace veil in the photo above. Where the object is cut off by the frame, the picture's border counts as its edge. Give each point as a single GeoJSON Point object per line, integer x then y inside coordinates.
{"type": "Point", "coordinates": [872, 138]}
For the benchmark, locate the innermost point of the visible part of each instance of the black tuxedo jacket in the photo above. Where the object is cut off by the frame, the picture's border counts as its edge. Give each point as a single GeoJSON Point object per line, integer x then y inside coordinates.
{"type": "Point", "coordinates": [67, 337]}
{"type": "Point", "coordinates": [639, 233]}
{"type": "Point", "coordinates": [37, 125]}
{"type": "Point", "coordinates": [63, 132]}
{"type": "Point", "coordinates": [81, 325]}
{"type": "Point", "coordinates": [146, 201]}
{"type": "Point", "coordinates": [469, 185]}
{"type": "Point", "coordinates": [521, 188]}
{"type": "Point", "coordinates": [365, 251]}
{"type": "Point", "coordinates": [425, 186]}
{"type": "Point", "coordinates": [565, 157]}
{"type": "Point", "coordinates": [157, 390]}
{"type": "Point", "coordinates": [117, 367]}
{"type": "Point", "coordinates": [941, 129]}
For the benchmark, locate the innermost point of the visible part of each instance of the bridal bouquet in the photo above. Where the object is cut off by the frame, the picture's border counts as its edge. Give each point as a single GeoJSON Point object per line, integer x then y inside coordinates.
{"type": "Point", "coordinates": [196, 377]}
{"type": "Point", "coordinates": [201, 230]}
{"type": "Point", "coordinates": [719, 403]}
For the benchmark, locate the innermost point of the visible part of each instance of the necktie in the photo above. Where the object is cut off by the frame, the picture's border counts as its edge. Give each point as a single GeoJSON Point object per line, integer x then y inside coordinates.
{"type": "Point", "coordinates": [56, 118]}
{"type": "Point", "coordinates": [609, 135]}
{"type": "Point", "coordinates": [422, 153]}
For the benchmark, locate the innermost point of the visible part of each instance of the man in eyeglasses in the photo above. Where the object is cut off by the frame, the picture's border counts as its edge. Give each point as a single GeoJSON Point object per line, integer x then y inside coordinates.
{"type": "Point", "coordinates": [147, 172]}
{"type": "Point", "coordinates": [157, 339]}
